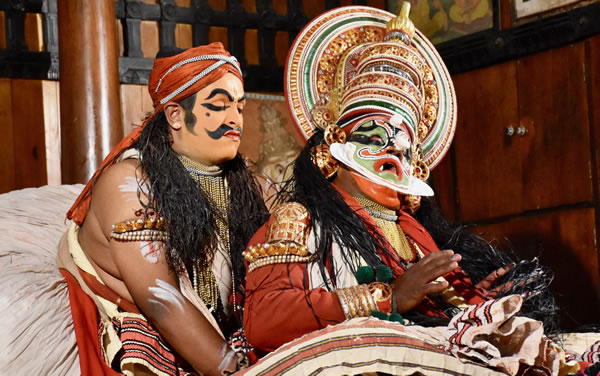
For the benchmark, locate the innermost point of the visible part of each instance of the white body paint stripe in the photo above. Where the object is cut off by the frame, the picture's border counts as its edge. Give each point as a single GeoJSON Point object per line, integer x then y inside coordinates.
{"type": "Point", "coordinates": [167, 293]}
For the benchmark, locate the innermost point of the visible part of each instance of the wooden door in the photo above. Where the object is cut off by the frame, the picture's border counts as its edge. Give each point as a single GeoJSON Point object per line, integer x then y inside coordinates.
{"type": "Point", "coordinates": [488, 169]}
{"type": "Point", "coordinates": [548, 165]}
{"type": "Point", "coordinates": [555, 153]}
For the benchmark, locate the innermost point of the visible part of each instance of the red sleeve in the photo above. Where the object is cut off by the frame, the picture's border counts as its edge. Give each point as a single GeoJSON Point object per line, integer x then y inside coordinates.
{"type": "Point", "coordinates": [279, 309]}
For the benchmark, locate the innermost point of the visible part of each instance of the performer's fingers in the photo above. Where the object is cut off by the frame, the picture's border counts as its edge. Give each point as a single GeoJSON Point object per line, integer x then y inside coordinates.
{"type": "Point", "coordinates": [488, 281]}
{"type": "Point", "coordinates": [436, 257]}
{"type": "Point", "coordinates": [502, 271]}
{"type": "Point", "coordinates": [435, 286]}
{"type": "Point", "coordinates": [439, 271]}
{"type": "Point", "coordinates": [443, 264]}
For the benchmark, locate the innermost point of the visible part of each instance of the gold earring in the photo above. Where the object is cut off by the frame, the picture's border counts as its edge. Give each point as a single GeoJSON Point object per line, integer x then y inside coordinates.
{"type": "Point", "coordinates": [411, 203]}
{"type": "Point", "coordinates": [333, 134]}
{"type": "Point", "coordinates": [420, 169]}
{"type": "Point", "coordinates": [321, 156]}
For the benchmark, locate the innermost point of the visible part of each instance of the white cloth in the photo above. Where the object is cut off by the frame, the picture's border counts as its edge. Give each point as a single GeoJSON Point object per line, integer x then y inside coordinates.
{"type": "Point", "coordinates": [36, 328]}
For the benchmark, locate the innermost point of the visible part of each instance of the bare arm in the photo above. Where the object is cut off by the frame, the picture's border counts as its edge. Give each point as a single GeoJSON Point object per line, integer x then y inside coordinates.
{"type": "Point", "coordinates": [155, 290]}
{"type": "Point", "coordinates": [152, 284]}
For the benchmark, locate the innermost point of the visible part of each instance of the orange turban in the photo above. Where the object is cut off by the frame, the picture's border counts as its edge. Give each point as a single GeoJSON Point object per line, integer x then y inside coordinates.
{"type": "Point", "coordinates": [173, 78]}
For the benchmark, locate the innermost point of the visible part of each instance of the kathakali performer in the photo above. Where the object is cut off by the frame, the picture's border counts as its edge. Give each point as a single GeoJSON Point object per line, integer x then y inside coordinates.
{"type": "Point", "coordinates": [154, 254]}
{"type": "Point", "coordinates": [356, 233]}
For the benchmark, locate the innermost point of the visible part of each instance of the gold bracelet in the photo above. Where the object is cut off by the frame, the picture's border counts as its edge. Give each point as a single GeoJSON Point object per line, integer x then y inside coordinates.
{"type": "Point", "coordinates": [356, 299]}
{"type": "Point", "coordinates": [367, 299]}
{"type": "Point", "coordinates": [344, 304]}
{"type": "Point", "coordinates": [350, 303]}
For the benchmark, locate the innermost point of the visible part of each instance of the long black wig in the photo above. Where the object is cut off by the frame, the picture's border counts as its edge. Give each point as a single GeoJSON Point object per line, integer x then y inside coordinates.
{"type": "Point", "coordinates": [189, 212]}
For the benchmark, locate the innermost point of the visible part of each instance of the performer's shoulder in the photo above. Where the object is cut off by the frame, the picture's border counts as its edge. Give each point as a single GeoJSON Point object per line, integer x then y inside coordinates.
{"type": "Point", "coordinates": [283, 239]}
{"type": "Point", "coordinates": [117, 193]}
{"type": "Point", "coordinates": [289, 221]}
{"type": "Point", "coordinates": [119, 172]}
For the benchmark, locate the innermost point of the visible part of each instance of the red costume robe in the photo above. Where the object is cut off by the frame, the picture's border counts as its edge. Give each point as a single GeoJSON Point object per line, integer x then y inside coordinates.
{"type": "Point", "coordinates": [280, 307]}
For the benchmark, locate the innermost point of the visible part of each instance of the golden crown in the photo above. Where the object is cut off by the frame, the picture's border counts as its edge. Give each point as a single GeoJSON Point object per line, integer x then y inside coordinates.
{"type": "Point", "coordinates": [401, 24]}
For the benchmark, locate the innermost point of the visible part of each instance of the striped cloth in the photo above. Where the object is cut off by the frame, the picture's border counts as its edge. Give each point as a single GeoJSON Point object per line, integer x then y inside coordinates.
{"type": "Point", "coordinates": [143, 348]}
{"type": "Point", "coordinates": [592, 353]}
{"type": "Point", "coordinates": [491, 333]}
{"type": "Point", "coordinates": [366, 345]}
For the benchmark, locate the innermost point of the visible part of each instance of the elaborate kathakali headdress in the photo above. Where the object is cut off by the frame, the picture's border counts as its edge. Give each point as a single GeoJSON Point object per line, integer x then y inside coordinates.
{"type": "Point", "coordinates": [354, 65]}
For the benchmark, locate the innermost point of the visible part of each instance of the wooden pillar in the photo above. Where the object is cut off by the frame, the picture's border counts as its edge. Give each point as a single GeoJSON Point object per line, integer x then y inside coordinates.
{"type": "Point", "coordinates": [90, 111]}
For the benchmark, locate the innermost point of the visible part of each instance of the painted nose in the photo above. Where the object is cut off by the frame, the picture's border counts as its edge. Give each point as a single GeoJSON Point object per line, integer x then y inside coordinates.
{"type": "Point", "coordinates": [235, 118]}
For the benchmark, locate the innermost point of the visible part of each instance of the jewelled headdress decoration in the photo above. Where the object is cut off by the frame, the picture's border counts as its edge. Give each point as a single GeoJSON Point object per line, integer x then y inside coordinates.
{"type": "Point", "coordinates": [356, 59]}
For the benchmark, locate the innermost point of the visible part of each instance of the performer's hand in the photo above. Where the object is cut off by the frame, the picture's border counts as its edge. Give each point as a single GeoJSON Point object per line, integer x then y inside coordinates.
{"type": "Point", "coordinates": [419, 280]}
{"type": "Point", "coordinates": [486, 283]}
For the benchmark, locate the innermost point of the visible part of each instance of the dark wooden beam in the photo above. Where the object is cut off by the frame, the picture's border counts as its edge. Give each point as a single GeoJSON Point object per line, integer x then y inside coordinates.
{"type": "Point", "coordinates": [89, 86]}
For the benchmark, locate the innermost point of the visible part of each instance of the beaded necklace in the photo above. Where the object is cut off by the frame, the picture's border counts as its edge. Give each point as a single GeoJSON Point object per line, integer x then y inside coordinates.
{"type": "Point", "coordinates": [386, 219]}
{"type": "Point", "coordinates": [214, 187]}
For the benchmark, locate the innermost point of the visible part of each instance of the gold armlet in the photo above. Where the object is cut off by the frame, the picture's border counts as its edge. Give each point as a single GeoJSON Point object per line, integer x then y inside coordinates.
{"type": "Point", "coordinates": [290, 223]}
{"type": "Point", "coordinates": [287, 236]}
{"type": "Point", "coordinates": [150, 229]}
{"type": "Point", "coordinates": [275, 253]}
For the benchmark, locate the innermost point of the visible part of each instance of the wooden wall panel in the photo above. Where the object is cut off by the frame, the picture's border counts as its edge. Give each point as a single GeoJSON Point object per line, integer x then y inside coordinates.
{"type": "Point", "coordinates": [281, 46]}
{"type": "Point", "coordinates": [250, 5]}
{"type": "Point", "coordinates": [593, 80]}
{"type": "Point", "coordinates": [567, 242]}
{"type": "Point", "coordinates": [487, 162]}
{"type": "Point", "coordinates": [218, 34]}
{"type": "Point", "coordinates": [313, 8]}
{"type": "Point", "coordinates": [7, 149]}
{"type": "Point", "coordinates": [183, 36]}
{"type": "Point", "coordinates": [555, 153]}
{"type": "Point", "coordinates": [51, 105]}
{"type": "Point", "coordinates": [280, 7]}
{"type": "Point", "coordinates": [2, 30]}
{"type": "Point", "coordinates": [376, 3]}
{"type": "Point", "coordinates": [29, 135]}
{"type": "Point", "coordinates": [149, 38]}
{"type": "Point", "coordinates": [34, 32]}
{"type": "Point", "coordinates": [443, 183]}
{"type": "Point", "coordinates": [135, 104]}
{"type": "Point", "coordinates": [251, 46]}
{"type": "Point", "coordinates": [217, 4]}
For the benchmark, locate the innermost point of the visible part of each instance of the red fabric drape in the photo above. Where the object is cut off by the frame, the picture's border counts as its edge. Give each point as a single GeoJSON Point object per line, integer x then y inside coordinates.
{"type": "Point", "coordinates": [85, 321]}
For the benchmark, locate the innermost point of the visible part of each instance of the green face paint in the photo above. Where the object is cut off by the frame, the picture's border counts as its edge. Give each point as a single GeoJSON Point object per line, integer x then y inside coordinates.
{"type": "Point", "coordinates": [381, 152]}
{"type": "Point", "coordinates": [375, 150]}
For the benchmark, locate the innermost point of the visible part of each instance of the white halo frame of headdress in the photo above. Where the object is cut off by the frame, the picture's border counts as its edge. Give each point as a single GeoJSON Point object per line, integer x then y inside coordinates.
{"type": "Point", "coordinates": [300, 74]}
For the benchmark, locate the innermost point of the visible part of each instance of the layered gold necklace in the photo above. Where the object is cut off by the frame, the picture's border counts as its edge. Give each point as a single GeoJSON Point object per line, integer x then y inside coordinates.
{"type": "Point", "coordinates": [214, 187]}
{"type": "Point", "coordinates": [386, 219]}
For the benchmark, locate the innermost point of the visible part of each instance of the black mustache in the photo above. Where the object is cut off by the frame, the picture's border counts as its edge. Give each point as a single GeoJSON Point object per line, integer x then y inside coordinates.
{"type": "Point", "coordinates": [220, 132]}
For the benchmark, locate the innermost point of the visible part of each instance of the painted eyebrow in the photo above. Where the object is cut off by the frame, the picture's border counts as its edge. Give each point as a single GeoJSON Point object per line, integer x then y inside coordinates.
{"type": "Point", "coordinates": [220, 91]}
{"type": "Point", "coordinates": [242, 98]}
